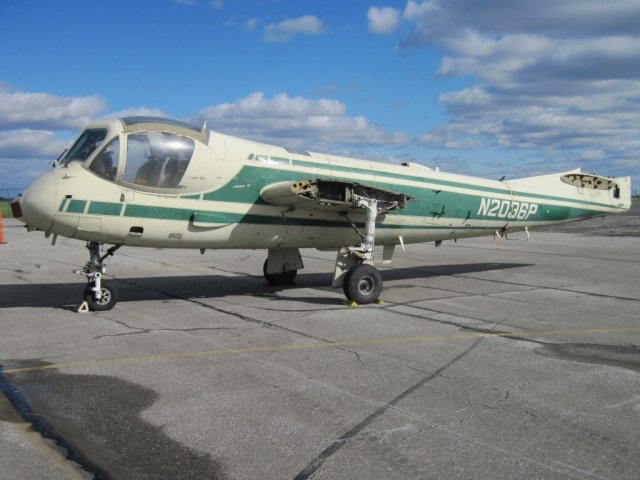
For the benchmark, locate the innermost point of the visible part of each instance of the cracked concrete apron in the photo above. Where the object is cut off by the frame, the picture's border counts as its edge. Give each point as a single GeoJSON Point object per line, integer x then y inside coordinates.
{"type": "Point", "coordinates": [517, 363]}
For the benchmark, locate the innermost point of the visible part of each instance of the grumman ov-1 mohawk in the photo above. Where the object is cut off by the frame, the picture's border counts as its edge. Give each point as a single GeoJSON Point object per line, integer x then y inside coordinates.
{"type": "Point", "coordinates": [154, 182]}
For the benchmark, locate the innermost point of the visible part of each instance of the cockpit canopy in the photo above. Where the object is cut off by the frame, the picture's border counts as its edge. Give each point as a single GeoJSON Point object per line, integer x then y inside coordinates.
{"type": "Point", "coordinates": [157, 159]}
{"type": "Point", "coordinates": [147, 153]}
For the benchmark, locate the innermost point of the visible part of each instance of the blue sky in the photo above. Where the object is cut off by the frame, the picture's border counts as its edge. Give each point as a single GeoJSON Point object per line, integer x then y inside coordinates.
{"type": "Point", "coordinates": [480, 87]}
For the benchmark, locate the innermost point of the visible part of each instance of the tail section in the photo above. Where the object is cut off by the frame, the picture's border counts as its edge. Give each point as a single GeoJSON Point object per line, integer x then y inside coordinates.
{"type": "Point", "coordinates": [607, 194]}
{"type": "Point", "coordinates": [618, 187]}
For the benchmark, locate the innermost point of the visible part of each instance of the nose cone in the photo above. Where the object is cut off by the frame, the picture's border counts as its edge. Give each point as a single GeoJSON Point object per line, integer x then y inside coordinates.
{"type": "Point", "coordinates": [38, 202]}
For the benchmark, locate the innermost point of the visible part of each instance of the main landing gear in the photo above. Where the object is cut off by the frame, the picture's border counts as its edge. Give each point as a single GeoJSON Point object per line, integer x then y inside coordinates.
{"type": "Point", "coordinates": [98, 295]}
{"type": "Point", "coordinates": [354, 271]}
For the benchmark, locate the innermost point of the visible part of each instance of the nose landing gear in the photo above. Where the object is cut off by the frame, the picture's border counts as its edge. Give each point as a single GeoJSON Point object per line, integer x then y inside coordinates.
{"type": "Point", "coordinates": [98, 295]}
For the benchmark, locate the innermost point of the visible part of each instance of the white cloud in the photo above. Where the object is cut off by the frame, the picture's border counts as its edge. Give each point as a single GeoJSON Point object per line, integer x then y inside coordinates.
{"type": "Point", "coordinates": [383, 21]}
{"type": "Point", "coordinates": [45, 111]}
{"type": "Point", "coordinates": [295, 122]}
{"type": "Point", "coordinates": [559, 78]}
{"type": "Point", "coordinates": [30, 144]}
{"type": "Point", "coordinates": [287, 29]}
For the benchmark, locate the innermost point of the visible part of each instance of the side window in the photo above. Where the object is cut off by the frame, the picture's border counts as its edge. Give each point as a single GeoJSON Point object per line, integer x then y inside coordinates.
{"type": "Point", "coordinates": [106, 162]}
{"type": "Point", "coordinates": [157, 159]}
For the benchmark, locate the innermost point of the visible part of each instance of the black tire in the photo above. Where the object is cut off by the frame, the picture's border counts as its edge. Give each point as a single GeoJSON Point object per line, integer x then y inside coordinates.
{"type": "Point", "coordinates": [363, 284]}
{"type": "Point", "coordinates": [284, 278]}
{"type": "Point", "coordinates": [345, 283]}
{"type": "Point", "coordinates": [107, 300]}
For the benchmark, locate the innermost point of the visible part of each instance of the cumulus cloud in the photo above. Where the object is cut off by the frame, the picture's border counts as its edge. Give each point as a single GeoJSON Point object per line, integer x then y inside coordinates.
{"type": "Point", "coordinates": [30, 144]}
{"type": "Point", "coordinates": [295, 122]}
{"type": "Point", "coordinates": [383, 20]}
{"type": "Point", "coordinates": [559, 77]}
{"type": "Point", "coordinates": [45, 111]}
{"type": "Point", "coordinates": [287, 29]}
{"type": "Point", "coordinates": [25, 154]}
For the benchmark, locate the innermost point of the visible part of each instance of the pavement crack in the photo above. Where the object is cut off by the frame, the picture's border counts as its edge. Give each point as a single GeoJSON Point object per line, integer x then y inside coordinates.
{"type": "Point", "coordinates": [231, 313]}
{"type": "Point", "coordinates": [411, 435]}
{"type": "Point", "coordinates": [140, 330]}
{"type": "Point", "coordinates": [319, 461]}
{"type": "Point", "coordinates": [355, 353]}
{"type": "Point", "coordinates": [390, 306]}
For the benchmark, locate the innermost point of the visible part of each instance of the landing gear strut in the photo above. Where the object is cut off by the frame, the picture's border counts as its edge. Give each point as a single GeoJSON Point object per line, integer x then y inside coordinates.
{"type": "Point", "coordinates": [98, 295]}
{"type": "Point", "coordinates": [360, 280]}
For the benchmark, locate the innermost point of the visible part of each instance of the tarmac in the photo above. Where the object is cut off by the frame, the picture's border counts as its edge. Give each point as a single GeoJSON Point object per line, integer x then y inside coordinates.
{"type": "Point", "coordinates": [486, 360]}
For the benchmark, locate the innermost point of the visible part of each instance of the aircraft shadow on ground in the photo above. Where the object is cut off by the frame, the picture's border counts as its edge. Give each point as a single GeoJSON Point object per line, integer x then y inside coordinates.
{"type": "Point", "coordinates": [57, 295]}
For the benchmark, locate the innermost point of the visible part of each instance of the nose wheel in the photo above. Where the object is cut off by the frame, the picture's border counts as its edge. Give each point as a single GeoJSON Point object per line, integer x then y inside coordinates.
{"type": "Point", "coordinates": [106, 300]}
{"type": "Point", "coordinates": [98, 295]}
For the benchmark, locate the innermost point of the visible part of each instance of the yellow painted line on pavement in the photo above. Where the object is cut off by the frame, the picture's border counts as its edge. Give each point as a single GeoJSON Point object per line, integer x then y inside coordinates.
{"type": "Point", "coordinates": [318, 345]}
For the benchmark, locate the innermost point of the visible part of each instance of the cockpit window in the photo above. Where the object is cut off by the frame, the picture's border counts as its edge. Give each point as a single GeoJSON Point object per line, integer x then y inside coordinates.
{"type": "Point", "coordinates": [157, 159]}
{"type": "Point", "coordinates": [106, 162]}
{"type": "Point", "coordinates": [85, 145]}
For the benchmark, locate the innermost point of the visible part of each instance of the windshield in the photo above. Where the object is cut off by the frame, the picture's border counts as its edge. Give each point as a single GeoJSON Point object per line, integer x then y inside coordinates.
{"type": "Point", "coordinates": [85, 145]}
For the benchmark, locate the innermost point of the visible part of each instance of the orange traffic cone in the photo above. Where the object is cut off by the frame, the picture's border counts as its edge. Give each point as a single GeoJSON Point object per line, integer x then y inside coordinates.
{"type": "Point", "coordinates": [1, 230]}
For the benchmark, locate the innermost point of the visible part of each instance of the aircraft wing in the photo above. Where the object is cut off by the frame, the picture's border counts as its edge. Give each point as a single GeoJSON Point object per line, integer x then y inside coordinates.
{"type": "Point", "coordinates": [334, 195]}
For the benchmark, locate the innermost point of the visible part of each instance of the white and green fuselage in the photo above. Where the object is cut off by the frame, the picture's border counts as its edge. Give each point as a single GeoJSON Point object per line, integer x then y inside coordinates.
{"type": "Point", "coordinates": [218, 203]}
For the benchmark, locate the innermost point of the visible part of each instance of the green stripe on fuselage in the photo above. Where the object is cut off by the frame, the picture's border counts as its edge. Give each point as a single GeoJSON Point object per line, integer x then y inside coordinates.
{"type": "Point", "coordinates": [247, 184]}
{"type": "Point", "coordinates": [105, 208]}
{"type": "Point", "coordinates": [76, 206]}
{"type": "Point", "coordinates": [431, 208]}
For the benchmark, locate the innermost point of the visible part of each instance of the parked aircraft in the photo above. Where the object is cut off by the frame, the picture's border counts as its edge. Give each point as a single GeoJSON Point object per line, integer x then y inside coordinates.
{"type": "Point", "coordinates": [155, 182]}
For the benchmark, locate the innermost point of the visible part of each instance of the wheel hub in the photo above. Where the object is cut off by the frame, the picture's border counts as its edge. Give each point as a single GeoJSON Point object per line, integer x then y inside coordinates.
{"type": "Point", "coordinates": [105, 297]}
{"type": "Point", "coordinates": [366, 285]}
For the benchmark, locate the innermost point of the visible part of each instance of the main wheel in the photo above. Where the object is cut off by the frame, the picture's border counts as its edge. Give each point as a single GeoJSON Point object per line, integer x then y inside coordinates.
{"type": "Point", "coordinates": [363, 284]}
{"type": "Point", "coordinates": [284, 278]}
{"type": "Point", "coordinates": [107, 297]}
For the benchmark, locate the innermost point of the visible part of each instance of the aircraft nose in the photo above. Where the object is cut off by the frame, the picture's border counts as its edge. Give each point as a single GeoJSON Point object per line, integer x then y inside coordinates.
{"type": "Point", "coordinates": [37, 205]}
